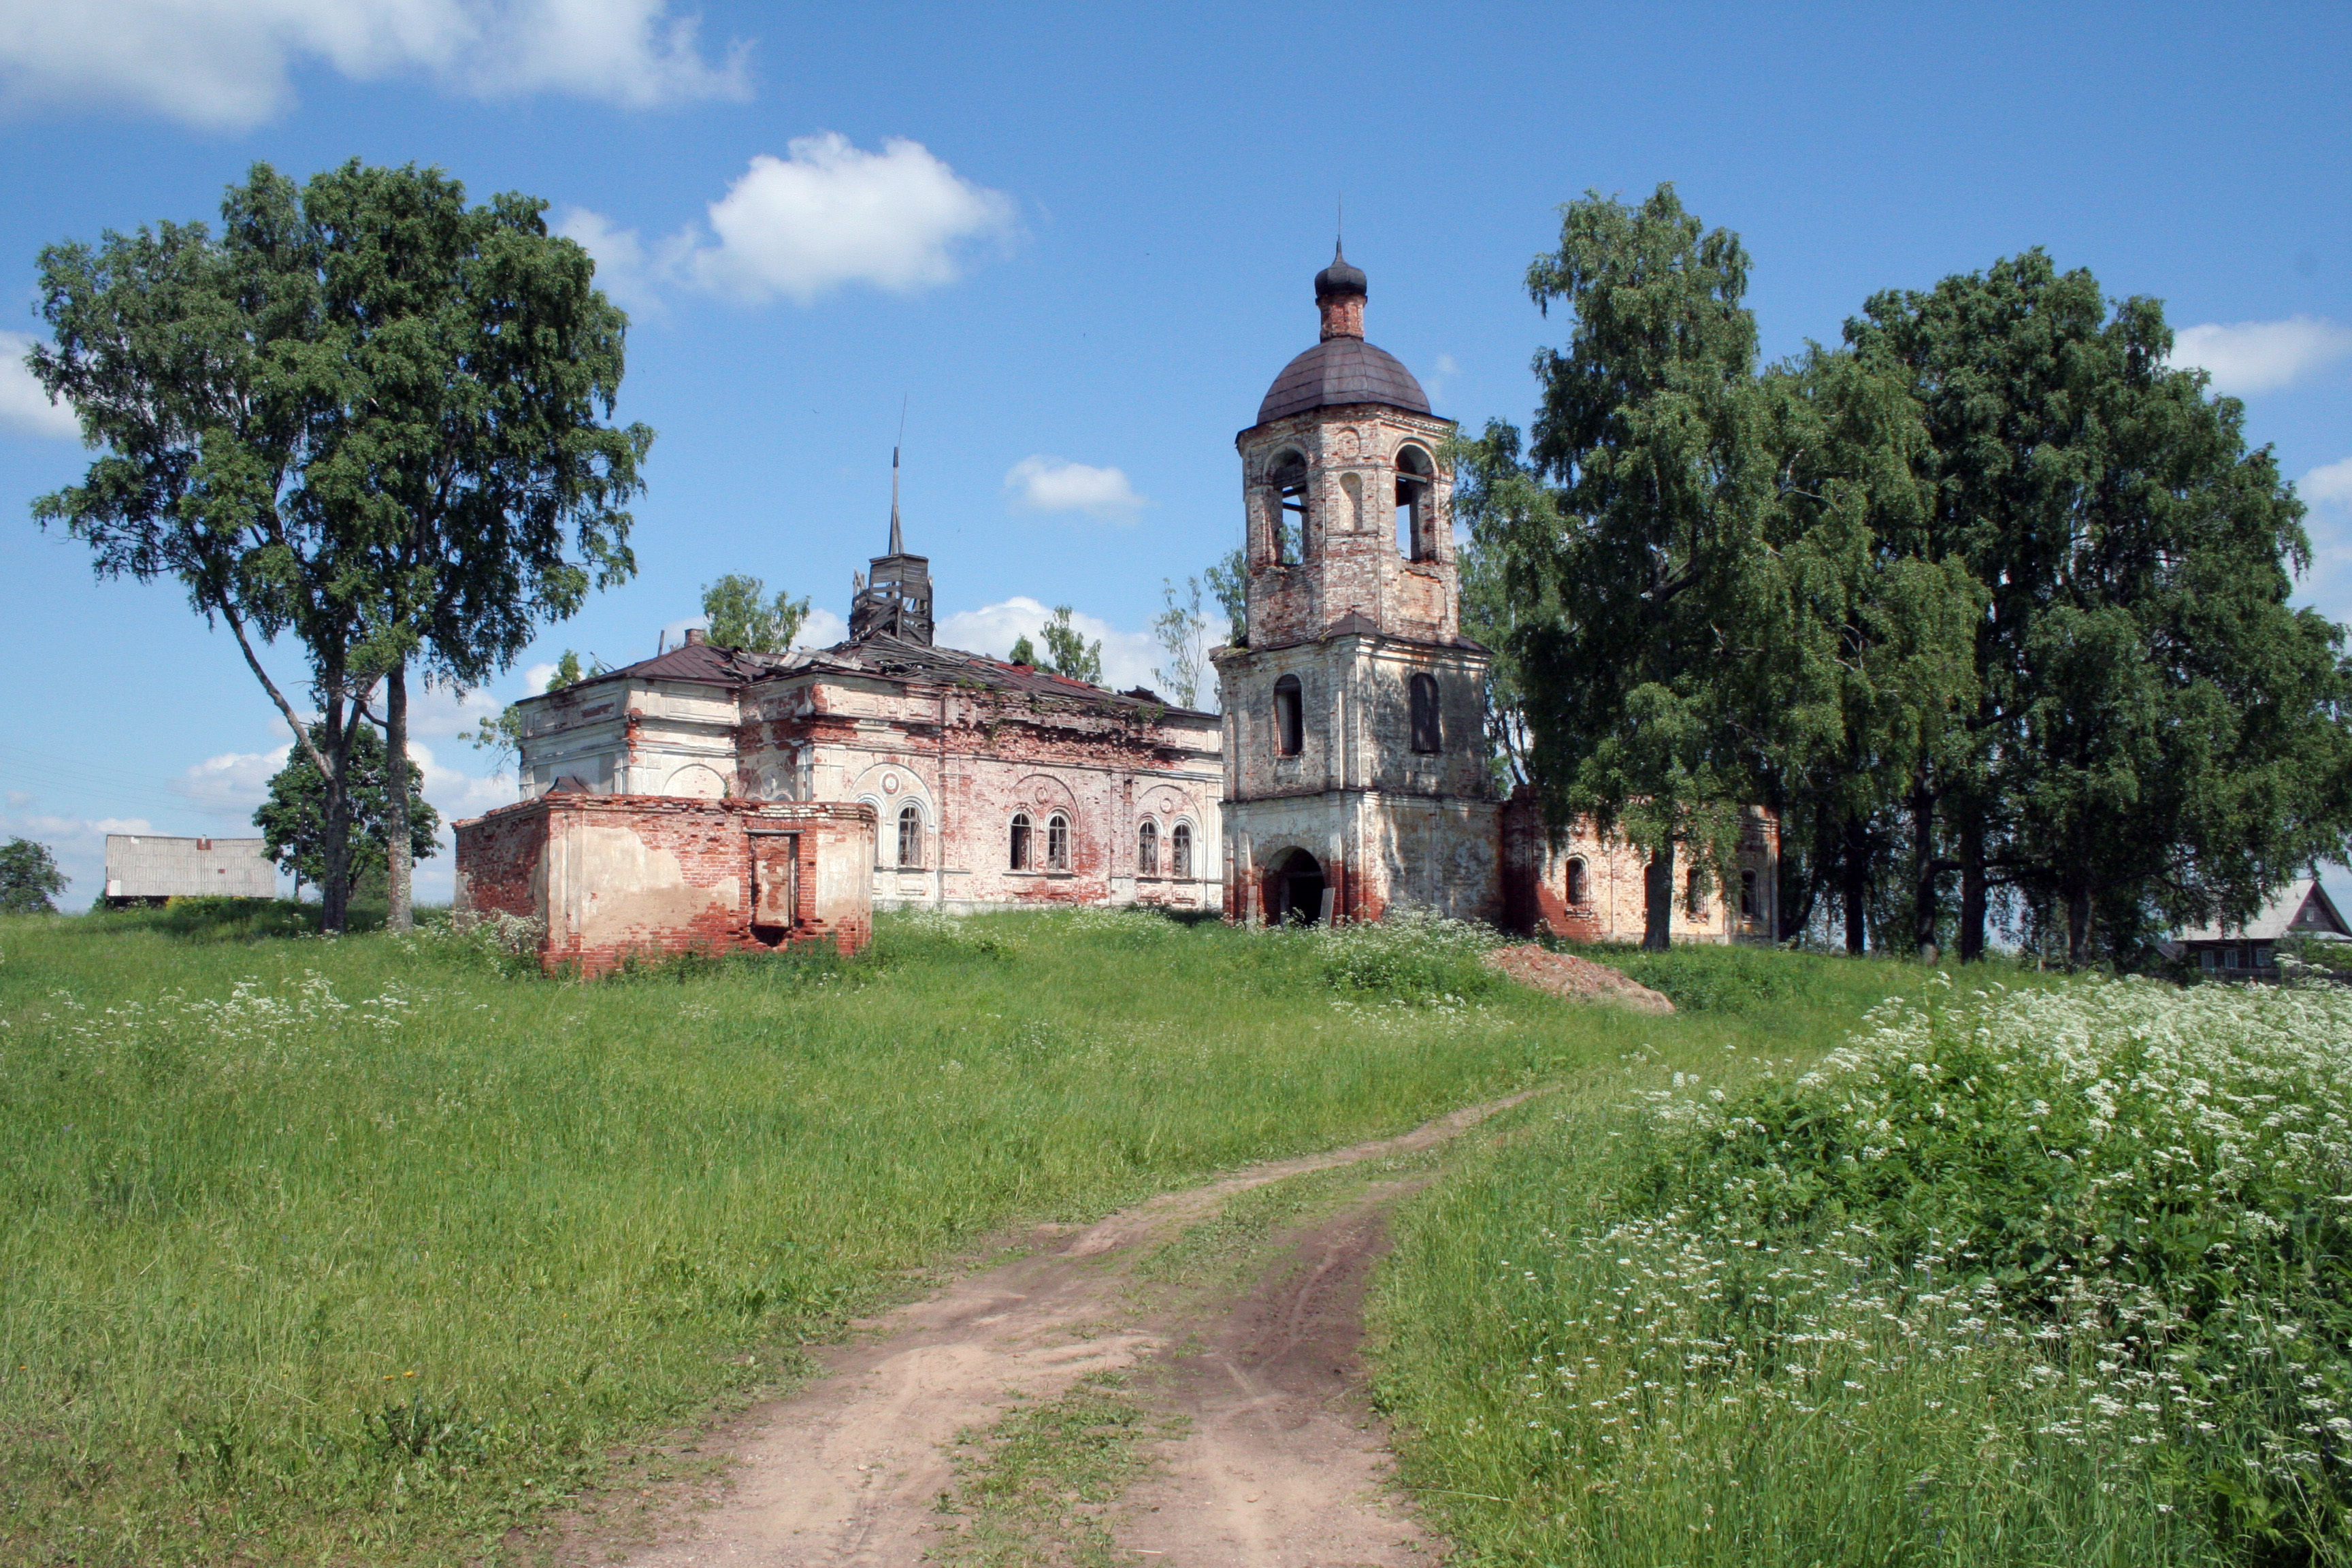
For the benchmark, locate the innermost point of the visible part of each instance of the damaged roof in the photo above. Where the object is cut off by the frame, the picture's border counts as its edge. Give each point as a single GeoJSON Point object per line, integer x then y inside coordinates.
{"type": "Point", "coordinates": [880, 656]}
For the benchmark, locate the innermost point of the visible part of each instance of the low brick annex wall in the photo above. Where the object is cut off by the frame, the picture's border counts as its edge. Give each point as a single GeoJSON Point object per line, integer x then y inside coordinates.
{"type": "Point", "coordinates": [609, 876]}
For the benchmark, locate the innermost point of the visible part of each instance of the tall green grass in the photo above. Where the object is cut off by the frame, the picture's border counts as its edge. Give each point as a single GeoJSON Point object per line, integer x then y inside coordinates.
{"type": "Point", "coordinates": [367, 1249]}
{"type": "Point", "coordinates": [2055, 1276]}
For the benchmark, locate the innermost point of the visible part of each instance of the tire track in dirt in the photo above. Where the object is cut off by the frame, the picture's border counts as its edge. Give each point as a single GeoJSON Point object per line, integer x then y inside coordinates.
{"type": "Point", "coordinates": [849, 1471]}
{"type": "Point", "coordinates": [1284, 1465]}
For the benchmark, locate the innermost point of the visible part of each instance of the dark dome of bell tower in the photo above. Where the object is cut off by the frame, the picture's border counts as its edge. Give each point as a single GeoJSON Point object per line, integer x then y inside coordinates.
{"type": "Point", "coordinates": [1343, 368]}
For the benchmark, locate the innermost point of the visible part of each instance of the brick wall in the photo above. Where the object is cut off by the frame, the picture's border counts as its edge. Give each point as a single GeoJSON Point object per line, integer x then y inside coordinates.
{"type": "Point", "coordinates": [615, 876]}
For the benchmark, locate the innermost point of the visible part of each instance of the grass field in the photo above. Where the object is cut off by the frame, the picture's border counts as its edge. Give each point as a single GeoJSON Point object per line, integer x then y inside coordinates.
{"type": "Point", "coordinates": [370, 1250]}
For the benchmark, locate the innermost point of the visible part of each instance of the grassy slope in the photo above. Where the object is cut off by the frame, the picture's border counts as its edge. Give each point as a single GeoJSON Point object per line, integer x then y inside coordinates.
{"type": "Point", "coordinates": [1570, 1363]}
{"type": "Point", "coordinates": [365, 1250]}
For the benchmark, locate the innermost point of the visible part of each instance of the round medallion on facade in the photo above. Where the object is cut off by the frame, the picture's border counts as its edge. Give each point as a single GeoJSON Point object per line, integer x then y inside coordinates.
{"type": "Point", "coordinates": [889, 784]}
{"type": "Point", "coordinates": [1344, 444]}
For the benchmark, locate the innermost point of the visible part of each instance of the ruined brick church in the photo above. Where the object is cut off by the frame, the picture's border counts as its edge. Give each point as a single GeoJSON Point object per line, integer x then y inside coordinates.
{"type": "Point", "coordinates": [719, 797]}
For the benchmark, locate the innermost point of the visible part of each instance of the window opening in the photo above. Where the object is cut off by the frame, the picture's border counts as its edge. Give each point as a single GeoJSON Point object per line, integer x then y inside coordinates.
{"type": "Point", "coordinates": [1057, 843]}
{"type": "Point", "coordinates": [1180, 844]}
{"type": "Point", "coordinates": [910, 836]}
{"type": "Point", "coordinates": [1693, 896]}
{"type": "Point", "coordinates": [1021, 841]}
{"type": "Point", "coordinates": [1146, 850]}
{"type": "Point", "coordinates": [1427, 734]}
{"type": "Point", "coordinates": [1580, 885]}
{"type": "Point", "coordinates": [1289, 721]}
{"type": "Point", "coordinates": [1748, 895]}
{"type": "Point", "coordinates": [1289, 480]}
{"type": "Point", "coordinates": [1413, 475]}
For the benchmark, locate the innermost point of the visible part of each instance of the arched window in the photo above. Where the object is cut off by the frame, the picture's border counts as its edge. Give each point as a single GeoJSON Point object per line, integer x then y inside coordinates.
{"type": "Point", "coordinates": [1353, 487]}
{"type": "Point", "coordinates": [1288, 479]}
{"type": "Point", "coordinates": [1289, 721]}
{"type": "Point", "coordinates": [1693, 894]}
{"type": "Point", "coordinates": [1579, 882]}
{"type": "Point", "coordinates": [1021, 841]}
{"type": "Point", "coordinates": [1146, 850]}
{"type": "Point", "coordinates": [1180, 850]}
{"type": "Point", "coordinates": [911, 836]}
{"type": "Point", "coordinates": [1428, 734]}
{"type": "Point", "coordinates": [1057, 843]}
{"type": "Point", "coordinates": [1413, 507]}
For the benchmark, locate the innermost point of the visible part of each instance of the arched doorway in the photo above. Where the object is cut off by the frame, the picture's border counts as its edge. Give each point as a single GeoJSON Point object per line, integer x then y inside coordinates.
{"type": "Point", "coordinates": [1294, 890]}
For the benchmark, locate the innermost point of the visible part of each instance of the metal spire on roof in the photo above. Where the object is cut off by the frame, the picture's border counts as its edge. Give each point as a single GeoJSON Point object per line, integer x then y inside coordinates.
{"type": "Point", "coordinates": [898, 544]}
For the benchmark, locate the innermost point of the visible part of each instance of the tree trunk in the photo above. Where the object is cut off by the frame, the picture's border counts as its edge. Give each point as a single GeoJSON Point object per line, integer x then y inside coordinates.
{"type": "Point", "coordinates": [398, 915]}
{"type": "Point", "coordinates": [1926, 907]}
{"type": "Point", "coordinates": [335, 853]}
{"type": "Point", "coordinates": [1853, 873]}
{"type": "Point", "coordinates": [2078, 927]}
{"type": "Point", "coordinates": [1972, 885]}
{"type": "Point", "coordinates": [1658, 900]}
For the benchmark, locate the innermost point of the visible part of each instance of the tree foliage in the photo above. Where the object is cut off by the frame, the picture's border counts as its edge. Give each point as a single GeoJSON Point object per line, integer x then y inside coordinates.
{"type": "Point", "coordinates": [1068, 652]}
{"type": "Point", "coordinates": [293, 820]}
{"type": "Point", "coordinates": [1228, 582]}
{"type": "Point", "coordinates": [1987, 595]}
{"type": "Point", "coordinates": [741, 615]}
{"type": "Point", "coordinates": [1181, 631]}
{"type": "Point", "coordinates": [1647, 556]}
{"type": "Point", "coordinates": [365, 415]}
{"type": "Point", "coordinates": [30, 881]}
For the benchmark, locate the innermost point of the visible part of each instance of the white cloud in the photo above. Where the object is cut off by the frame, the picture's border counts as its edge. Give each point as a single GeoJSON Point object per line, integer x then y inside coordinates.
{"type": "Point", "coordinates": [227, 64]}
{"type": "Point", "coordinates": [2247, 357]}
{"type": "Point", "coordinates": [2328, 485]}
{"type": "Point", "coordinates": [623, 268]}
{"type": "Point", "coordinates": [828, 215]}
{"type": "Point", "coordinates": [232, 783]}
{"type": "Point", "coordinates": [1050, 484]}
{"type": "Point", "coordinates": [24, 405]}
{"type": "Point", "coordinates": [822, 629]}
{"type": "Point", "coordinates": [1127, 656]}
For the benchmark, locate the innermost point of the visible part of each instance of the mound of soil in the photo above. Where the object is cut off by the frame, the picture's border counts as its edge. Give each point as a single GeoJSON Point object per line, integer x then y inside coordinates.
{"type": "Point", "coordinates": [1565, 974]}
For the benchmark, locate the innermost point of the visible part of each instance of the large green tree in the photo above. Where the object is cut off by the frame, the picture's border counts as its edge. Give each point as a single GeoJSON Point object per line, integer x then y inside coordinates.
{"type": "Point", "coordinates": [293, 820]}
{"type": "Point", "coordinates": [2159, 736]}
{"type": "Point", "coordinates": [471, 361]}
{"type": "Point", "coordinates": [1864, 680]}
{"type": "Point", "coordinates": [366, 414]}
{"type": "Point", "coordinates": [1650, 552]}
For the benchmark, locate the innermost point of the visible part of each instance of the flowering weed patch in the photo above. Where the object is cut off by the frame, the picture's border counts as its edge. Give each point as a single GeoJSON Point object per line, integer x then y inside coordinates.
{"type": "Point", "coordinates": [1409, 957]}
{"type": "Point", "coordinates": [2048, 1276]}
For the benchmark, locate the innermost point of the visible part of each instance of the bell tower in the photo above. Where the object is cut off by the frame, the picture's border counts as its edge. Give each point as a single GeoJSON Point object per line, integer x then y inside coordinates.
{"type": "Point", "coordinates": [1348, 504]}
{"type": "Point", "coordinates": [1357, 765]}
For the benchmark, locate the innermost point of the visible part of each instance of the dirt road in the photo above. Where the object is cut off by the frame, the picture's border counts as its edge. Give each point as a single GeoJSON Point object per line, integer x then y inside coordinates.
{"type": "Point", "coordinates": [1280, 1464]}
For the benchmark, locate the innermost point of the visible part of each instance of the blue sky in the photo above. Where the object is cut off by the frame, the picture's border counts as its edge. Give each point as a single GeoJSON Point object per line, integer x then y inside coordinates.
{"type": "Point", "coordinates": [1077, 243]}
